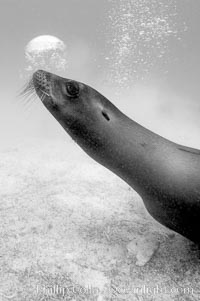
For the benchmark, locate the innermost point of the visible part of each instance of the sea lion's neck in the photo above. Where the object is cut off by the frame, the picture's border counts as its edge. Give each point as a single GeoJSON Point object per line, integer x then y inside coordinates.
{"type": "Point", "coordinates": [127, 149]}
{"type": "Point", "coordinates": [135, 153]}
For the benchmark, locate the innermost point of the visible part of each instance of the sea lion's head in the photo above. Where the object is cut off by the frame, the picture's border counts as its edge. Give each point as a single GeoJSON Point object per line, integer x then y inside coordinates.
{"type": "Point", "coordinates": [103, 132]}
{"type": "Point", "coordinates": [82, 111]}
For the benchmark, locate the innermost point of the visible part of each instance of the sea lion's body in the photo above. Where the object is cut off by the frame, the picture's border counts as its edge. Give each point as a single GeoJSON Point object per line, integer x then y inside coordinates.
{"type": "Point", "coordinates": [166, 175]}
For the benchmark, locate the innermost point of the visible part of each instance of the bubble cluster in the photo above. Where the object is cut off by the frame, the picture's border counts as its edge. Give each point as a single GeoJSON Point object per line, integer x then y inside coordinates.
{"type": "Point", "coordinates": [139, 35]}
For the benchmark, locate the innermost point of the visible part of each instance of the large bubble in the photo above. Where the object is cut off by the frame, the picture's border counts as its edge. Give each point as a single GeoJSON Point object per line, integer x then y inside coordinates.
{"type": "Point", "coordinates": [46, 52]}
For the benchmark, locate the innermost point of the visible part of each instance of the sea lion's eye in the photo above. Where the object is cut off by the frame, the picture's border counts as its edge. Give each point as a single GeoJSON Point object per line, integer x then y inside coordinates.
{"type": "Point", "coordinates": [72, 89]}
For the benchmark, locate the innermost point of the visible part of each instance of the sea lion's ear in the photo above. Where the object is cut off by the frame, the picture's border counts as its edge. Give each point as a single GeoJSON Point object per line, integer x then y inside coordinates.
{"type": "Point", "coordinates": [105, 115]}
{"type": "Point", "coordinates": [72, 89]}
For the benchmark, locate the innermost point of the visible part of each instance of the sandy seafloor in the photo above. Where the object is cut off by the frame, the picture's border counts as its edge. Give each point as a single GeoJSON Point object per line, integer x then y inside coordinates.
{"type": "Point", "coordinates": [72, 230]}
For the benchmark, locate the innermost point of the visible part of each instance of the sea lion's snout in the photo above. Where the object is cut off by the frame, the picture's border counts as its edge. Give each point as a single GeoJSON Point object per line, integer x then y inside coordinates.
{"type": "Point", "coordinates": [41, 81]}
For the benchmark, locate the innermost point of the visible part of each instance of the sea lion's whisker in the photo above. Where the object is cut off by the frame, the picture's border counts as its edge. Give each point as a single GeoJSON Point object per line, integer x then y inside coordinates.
{"type": "Point", "coordinates": [28, 104]}
{"type": "Point", "coordinates": [27, 96]}
{"type": "Point", "coordinates": [27, 93]}
{"type": "Point", "coordinates": [30, 90]}
{"type": "Point", "coordinates": [44, 92]}
{"type": "Point", "coordinates": [27, 88]}
{"type": "Point", "coordinates": [43, 97]}
{"type": "Point", "coordinates": [28, 101]}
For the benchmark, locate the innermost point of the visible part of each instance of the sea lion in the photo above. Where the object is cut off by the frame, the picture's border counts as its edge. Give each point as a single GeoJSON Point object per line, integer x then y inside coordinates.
{"type": "Point", "coordinates": [165, 174]}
